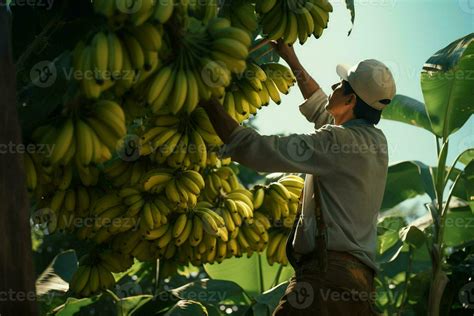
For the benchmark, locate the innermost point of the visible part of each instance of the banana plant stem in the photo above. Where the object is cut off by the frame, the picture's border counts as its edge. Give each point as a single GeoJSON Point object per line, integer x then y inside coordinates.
{"type": "Point", "coordinates": [259, 45]}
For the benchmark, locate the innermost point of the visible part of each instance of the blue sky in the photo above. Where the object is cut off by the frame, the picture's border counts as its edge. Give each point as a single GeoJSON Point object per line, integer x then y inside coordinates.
{"type": "Point", "coordinates": [403, 34]}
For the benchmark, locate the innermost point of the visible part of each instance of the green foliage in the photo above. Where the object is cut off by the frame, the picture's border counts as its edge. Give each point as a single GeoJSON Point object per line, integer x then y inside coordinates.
{"type": "Point", "coordinates": [447, 87]}
{"type": "Point", "coordinates": [407, 110]}
{"type": "Point", "coordinates": [403, 182]}
{"type": "Point", "coordinates": [253, 274]}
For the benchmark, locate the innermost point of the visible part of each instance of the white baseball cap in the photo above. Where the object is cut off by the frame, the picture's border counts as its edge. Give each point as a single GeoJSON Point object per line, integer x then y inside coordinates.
{"type": "Point", "coordinates": [371, 80]}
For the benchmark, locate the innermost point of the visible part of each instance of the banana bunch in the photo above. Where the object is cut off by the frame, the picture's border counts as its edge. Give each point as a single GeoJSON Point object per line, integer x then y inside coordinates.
{"type": "Point", "coordinates": [219, 181]}
{"type": "Point", "coordinates": [182, 228]}
{"type": "Point", "coordinates": [238, 203]}
{"type": "Point", "coordinates": [213, 160]}
{"type": "Point", "coordinates": [98, 63]}
{"type": "Point", "coordinates": [254, 237]}
{"type": "Point", "coordinates": [42, 177]}
{"type": "Point", "coordinates": [294, 19]}
{"type": "Point", "coordinates": [242, 15]}
{"type": "Point", "coordinates": [65, 206]}
{"type": "Point", "coordinates": [203, 10]}
{"type": "Point", "coordinates": [134, 106]}
{"type": "Point", "coordinates": [179, 85]}
{"type": "Point", "coordinates": [276, 248]}
{"type": "Point", "coordinates": [115, 262]}
{"type": "Point", "coordinates": [108, 217]}
{"type": "Point", "coordinates": [31, 172]}
{"type": "Point", "coordinates": [260, 84]}
{"type": "Point", "coordinates": [132, 243]}
{"type": "Point", "coordinates": [282, 78]}
{"type": "Point", "coordinates": [90, 139]}
{"type": "Point", "coordinates": [137, 12]}
{"type": "Point", "coordinates": [201, 67]}
{"type": "Point", "coordinates": [201, 123]}
{"type": "Point", "coordinates": [122, 173]}
{"type": "Point", "coordinates": [91, 278]}
{"type": "Point", "coordinates": [294, 185]}
{"type": "Point", "coordinates": [142, 44]}
{"type": "Point", "coordinates": [229, 45]}
{"type": "Point", "coordinates": [124, 59]}
{"type": "Point", "coordinates": [100, 132]}
{"type": "Point", "coordinates": [247, 94]}
{"type": "Point", "coordinates": [191, 236]}
{"type": "Point", "coordinates": [181, 187]}
{"type": "Point", "coordinates": [279, 199]}
{"type": "Point", "coordinates": [89, 175]}
{"type": "Point", "coordinates": [185, 188]}
{"type": "Point", "coordinates": [204, 253]}
{"type": "Point", "coordinates": [60, 138]}
{"type": "Point", "coordinates": [152, 210]}
{"type": "Point", "coordinates": [180, 141]}
{"type": "Point", "coordinates": [212, 223]}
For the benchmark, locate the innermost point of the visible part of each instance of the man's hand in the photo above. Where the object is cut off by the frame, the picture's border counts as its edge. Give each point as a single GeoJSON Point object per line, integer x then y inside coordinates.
{"type": "Point", "coordinates": [223, 123]}
{"type": "Point", "coordinates": [306, 83]}
{"type": "Point", "coordinates": [285, 51]}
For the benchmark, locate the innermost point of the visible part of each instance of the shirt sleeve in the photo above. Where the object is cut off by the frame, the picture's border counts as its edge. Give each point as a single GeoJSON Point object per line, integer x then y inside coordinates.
{"type": "Point", "coordinates": [314, 109]}
{"type": "Point", "coordinates": [305, 153]}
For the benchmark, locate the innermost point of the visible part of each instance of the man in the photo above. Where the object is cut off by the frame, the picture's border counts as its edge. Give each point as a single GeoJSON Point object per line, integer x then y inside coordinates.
{"type": "Point", "coordinates": [345, 161]}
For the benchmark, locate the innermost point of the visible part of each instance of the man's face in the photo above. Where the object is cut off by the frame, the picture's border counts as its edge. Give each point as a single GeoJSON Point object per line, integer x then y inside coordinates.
{"type": "Point", "coordinates": [339, 103]}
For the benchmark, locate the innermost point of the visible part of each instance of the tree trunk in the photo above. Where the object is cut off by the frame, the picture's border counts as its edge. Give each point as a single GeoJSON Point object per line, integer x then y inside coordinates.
{"type": "Point", "coordinates": [17, 289]}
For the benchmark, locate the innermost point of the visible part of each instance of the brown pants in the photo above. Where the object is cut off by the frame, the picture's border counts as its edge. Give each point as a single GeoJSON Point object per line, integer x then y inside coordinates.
{"type": "Point", "coordinates": [347, 288]}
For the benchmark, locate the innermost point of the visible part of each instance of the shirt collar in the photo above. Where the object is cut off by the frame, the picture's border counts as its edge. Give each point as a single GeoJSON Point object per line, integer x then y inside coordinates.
{"type": "Point", "coordinates": [357, 122]}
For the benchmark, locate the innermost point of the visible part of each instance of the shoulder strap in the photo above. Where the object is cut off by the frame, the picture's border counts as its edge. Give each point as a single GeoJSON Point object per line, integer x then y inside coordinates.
{"type": "Point", "coordinates": [321, 236]}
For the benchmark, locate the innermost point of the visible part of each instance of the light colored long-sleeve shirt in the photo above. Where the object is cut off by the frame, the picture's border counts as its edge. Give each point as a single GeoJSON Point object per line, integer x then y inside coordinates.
{"type": "Point", "coordinates": [351, 161]}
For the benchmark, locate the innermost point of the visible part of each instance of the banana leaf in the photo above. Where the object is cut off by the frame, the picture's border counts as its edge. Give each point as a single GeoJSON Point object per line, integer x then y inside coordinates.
{"type": "Point", "coordinates": [447, 82]}
{"type": "Point", "coordinates": [407, 110]}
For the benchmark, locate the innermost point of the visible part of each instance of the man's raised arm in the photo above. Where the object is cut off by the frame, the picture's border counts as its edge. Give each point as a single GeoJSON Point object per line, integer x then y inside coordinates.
{"type": "Point", "coordinates": [315, 99]}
